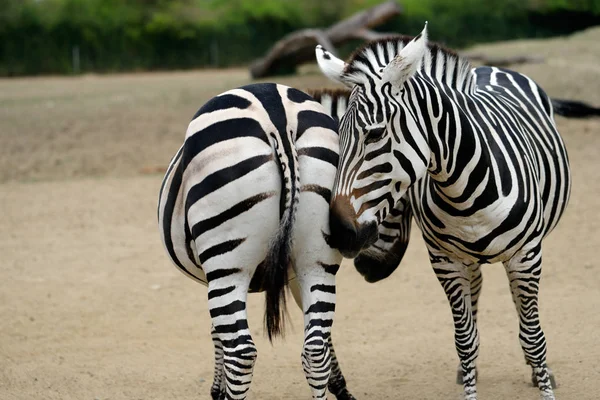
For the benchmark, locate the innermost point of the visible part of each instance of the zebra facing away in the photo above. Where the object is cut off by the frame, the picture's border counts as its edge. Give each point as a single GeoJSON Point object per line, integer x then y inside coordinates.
{"type": "Point", "coordinates": [245, 199]}
{"type": "Point", "coordinates": [485, 169]}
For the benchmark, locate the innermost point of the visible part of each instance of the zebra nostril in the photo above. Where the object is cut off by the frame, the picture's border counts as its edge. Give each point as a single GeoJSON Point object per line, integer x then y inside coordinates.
{"type": "Point", "coordinates": [342, 225]}
{"type": "Point", "coordinates": [348, 231]}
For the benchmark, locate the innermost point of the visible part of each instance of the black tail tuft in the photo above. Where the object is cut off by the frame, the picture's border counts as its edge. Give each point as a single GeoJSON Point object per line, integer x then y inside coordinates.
{"type": "Point", "coordinates": [275, 277]}
{"type": "Point", "coordinates": [574, 109]}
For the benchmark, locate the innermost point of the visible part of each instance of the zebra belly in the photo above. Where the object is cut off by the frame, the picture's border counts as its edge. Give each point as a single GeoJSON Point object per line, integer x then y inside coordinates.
{"type": "Point", "coordinates": [493, 234]}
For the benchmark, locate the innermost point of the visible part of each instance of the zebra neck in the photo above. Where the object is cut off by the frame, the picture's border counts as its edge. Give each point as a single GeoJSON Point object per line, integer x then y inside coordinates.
{"type": "Point", "coordinates": [459, 154]}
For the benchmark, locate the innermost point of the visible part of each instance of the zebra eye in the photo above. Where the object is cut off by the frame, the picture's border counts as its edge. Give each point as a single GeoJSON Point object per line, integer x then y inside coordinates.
{"type": "Point", "coordinates": [374, 135]}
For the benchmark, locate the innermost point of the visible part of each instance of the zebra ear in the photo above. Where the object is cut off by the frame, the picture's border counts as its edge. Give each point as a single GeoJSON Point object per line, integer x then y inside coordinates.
{"type": "Point", "coordinates": [407, 62]}
{"type": "Point", "coordinates": [331, 66]}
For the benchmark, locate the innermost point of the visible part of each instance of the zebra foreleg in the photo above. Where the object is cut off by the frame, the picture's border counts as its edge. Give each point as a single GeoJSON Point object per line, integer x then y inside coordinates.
{"type": "Point", "coordinates": [476, 285]}
{"type": "Point", "coordinates": [524, 270]}
{"type": "Point", "coordinates": [455, 279]}
{"type": "Point", "coordinates": [217, 390]}
{"type": "Point", "coordinates": [227, 294]}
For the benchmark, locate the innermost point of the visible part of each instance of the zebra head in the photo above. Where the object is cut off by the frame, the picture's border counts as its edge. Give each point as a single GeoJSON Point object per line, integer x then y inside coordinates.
{"type": "Point", "coordinates": [382, 149]}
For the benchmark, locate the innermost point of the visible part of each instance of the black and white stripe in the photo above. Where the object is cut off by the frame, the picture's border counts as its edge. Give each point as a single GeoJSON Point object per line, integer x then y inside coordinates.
{"type": "Point", "coordinates": [244, 207]}
{"type": "Point", "coordinates": [382, 258]}
{"type": "Point", "coordinates": [478, 153]}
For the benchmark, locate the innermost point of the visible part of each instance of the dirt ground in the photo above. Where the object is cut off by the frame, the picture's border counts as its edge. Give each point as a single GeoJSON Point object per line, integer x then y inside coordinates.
{"type": "Point", "coordinates": [91, 308]}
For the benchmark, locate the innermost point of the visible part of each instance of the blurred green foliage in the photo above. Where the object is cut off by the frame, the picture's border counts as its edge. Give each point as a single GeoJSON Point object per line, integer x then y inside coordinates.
{"type": "Point", "coordinates": [44, 36]}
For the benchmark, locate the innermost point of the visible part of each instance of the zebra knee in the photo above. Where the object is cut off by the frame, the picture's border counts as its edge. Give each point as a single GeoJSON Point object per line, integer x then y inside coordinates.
{"type": "Point", "coordinates": [245, 352]}
{"type": "Point", "coordinates": [239, 359]}
{"type": "Point", "coordinates": [316, 355]}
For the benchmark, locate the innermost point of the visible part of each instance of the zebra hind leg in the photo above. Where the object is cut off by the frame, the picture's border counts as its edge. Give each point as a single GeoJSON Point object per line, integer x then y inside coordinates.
{"type": "Point", "coordinates": [476, 285]}
{"type": "Point", "coordinates": [524, 270]}
{"type": "Point", "coordinates": [337, 382]}
{"type": "Point", "coordinates": [217, 390]}
{"type": "Point", "coordinates": [227, 294]}
{"type": "Point", "coordinates": [455, 279]}
{"type": "Point", "coordinates": [319, 308]}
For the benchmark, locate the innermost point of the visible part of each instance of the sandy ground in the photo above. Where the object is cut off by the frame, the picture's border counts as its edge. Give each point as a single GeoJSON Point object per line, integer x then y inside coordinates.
{"type": "Point", "coordinates": [91, 308]}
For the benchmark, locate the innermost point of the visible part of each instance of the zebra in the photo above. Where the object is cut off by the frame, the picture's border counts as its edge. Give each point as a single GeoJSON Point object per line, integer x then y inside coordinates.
{"type": "Point", "coordinates": [478, 153]}
{"type": "Point", "coordinates": [243, 207]}
{"type": "Point", "coordinates": [382, 258]}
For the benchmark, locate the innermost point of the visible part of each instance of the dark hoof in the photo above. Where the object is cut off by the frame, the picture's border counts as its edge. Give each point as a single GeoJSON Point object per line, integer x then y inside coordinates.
{"type": "Point", "coordinates": [552, 379]}
{"type": "Point", "coordinates": [459, 375]}
{"type": "Point", "coordinates": [344, 395]}
{"type": "Point", "coordinates": [217, 394]}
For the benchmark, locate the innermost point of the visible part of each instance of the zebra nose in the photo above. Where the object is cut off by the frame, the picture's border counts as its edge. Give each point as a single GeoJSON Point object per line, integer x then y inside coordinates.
{"type": "Point", "coordinates": [342, 227]}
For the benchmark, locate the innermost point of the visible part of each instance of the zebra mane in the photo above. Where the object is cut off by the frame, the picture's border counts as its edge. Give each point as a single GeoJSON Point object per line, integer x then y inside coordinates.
{"type": "Point", "coordinates": [335, 101]}
{"type": "Point", "coordinates": [318, 94]}
{"type": "Point", "coordinates": [440, 63]}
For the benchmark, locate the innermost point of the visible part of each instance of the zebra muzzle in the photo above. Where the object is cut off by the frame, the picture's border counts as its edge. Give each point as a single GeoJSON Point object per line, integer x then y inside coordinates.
{"type": "Point", "coordinates": [347, 235]}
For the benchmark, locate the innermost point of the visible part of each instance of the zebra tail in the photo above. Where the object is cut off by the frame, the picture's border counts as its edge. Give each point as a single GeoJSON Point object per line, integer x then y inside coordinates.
{"type": "Point", "coordinates": [574, 109]}
{"type": "Point", "coordinates": [279, 256]}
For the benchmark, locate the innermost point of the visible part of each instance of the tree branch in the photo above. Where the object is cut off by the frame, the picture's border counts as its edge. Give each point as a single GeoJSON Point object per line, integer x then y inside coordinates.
{"type": "Point", "coordinates": [298, 47]}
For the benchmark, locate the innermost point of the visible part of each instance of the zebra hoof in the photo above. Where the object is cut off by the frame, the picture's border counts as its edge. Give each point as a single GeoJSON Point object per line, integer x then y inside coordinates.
{"type": "Point", "coordinates": [344, 395]}
{"type": "Point", "coordinates": [552, 379]}
{"type": "Point", "coordinates": [459, 375]}
{"type": "Point", "coordinates": [217, 394]}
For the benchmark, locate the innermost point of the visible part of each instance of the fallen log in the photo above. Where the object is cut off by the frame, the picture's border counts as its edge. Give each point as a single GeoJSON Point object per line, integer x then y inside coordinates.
{"type": "Point", "coordinates": [502, 61]}
{"type": "Point", "coordinates": [298, 47]}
